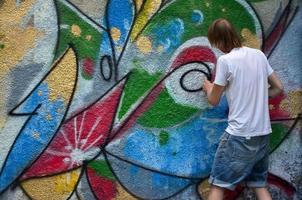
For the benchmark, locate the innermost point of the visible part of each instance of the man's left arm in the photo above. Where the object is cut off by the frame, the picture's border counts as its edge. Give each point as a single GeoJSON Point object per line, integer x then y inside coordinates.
{"type": "Point", "coordinates": [213, 92]}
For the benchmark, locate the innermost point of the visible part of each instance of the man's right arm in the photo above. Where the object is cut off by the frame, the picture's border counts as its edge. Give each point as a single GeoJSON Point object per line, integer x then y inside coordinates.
{"type": "Point", "coordinates": [276, 86]}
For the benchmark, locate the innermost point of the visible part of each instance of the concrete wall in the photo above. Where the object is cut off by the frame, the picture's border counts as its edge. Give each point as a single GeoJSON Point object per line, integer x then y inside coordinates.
{"type": "Point", "coordinates": [102, 99]}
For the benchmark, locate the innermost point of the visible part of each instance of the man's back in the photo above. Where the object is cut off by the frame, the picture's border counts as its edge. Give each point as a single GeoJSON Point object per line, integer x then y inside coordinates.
{"type": "Point", "coordinates": [244, 71]}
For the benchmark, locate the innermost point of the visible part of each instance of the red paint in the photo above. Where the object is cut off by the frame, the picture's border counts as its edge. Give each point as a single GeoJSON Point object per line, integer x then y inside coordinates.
{"type": "Point", "coordinates": [194, 54]}
{"type": "Point", "coordinates": [276, 112]}
{"type": "Point", "coordinates": [103, 188]}
{"type": "Point", "coordinates": [88, 66]}
{"type": "Point", "coordinates": [65, 151]}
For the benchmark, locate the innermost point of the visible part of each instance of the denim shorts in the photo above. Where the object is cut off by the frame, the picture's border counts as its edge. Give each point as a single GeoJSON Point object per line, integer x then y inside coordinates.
{"type": "Point", "coordinates": [240, 160]}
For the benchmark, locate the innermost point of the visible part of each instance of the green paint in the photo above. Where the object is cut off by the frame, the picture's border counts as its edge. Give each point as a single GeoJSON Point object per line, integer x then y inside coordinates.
{"type": "Point", "coordinates": [163, 138]}
{"type": "Point", "coordinates": [86, 76]}
{"type": "Point", "coordinates": [139, 82]}
{"type": "Point", "coordinates": [278, 134]}
{"type": "Point", "coordinates": [102, 169]}
{"type": "Point", "coordinates": [2, 46]}
{"type": "Point", "coordinates": [84, 48]}
{"type": "Point", "coordinates": [165, 112]}
{"type": "Point", "coordinates": [183, 10]}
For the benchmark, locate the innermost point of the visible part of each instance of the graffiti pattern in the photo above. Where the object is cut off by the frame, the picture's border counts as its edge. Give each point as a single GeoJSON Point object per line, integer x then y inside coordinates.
{"type": "Point", "coordinates": [103, 99]}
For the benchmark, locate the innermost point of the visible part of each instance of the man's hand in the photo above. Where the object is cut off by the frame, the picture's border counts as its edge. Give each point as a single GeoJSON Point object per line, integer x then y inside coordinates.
{"type": "Point", "coordinates": [213, 92]}
{"type": "Point", "coordinates": [207, 86]}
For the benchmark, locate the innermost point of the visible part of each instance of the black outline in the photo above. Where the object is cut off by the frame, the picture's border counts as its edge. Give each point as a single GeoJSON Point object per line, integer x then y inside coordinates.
{"type": "Point", "coordinates": [110, 64]}
{"type": "Point", "coordinates": [70, 47]}
{"type": "Point", "coordinates": [207, 74]}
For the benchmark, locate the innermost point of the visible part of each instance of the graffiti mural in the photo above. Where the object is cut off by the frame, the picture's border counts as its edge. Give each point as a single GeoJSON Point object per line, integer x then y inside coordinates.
{"type": "Point", "coordinates": [102, 99]}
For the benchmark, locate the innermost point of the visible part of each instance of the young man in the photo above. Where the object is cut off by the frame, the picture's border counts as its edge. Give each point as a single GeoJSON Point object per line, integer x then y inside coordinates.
{"type": "Point", "coordinates": [245, 75]}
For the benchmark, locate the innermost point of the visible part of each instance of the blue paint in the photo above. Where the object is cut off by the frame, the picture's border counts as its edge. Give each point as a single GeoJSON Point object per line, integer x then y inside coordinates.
{"type": "Point", "coordinates": [168, 35]}
{"type": "Point", "coordinates": [197, 17]}
{"type": "Point", "coordinates": [194, 142]}
{"type": "Point", "coordinates": [35, 135]}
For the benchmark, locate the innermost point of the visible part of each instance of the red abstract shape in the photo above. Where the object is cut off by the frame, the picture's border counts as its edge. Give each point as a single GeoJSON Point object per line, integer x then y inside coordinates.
{"type": "Point", "coordinates": [79, 138]}
{"type": "Point", "coordinates": [102, 188]}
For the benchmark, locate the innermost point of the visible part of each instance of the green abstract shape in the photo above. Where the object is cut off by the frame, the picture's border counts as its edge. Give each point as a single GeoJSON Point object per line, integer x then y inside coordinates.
{"type": "Point", "coordinates": [165, 112]}
{"type": "Point", "coordinates": [139, 82]}
{"type": "Point", "coordinates": [163, 138]}
{"type": "Point", "coordinates": [85, 48]}
{"type": "Point", "coordinates": [279, 132]}
{"type": "Point", "coordinates": [183, 9]}
{"type": "Point", "coordinates": [102, 169]}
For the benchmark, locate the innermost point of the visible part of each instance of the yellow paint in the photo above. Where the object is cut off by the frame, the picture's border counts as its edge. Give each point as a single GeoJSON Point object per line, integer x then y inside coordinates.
{"type": "Point", "coordinates": [149, 9]}
{"type": "Point", "coordinates": [76, 30]}
{"type": "Point", "coordinates": [204, 189]}
{"type": "Point", "coordinates": [250, 39]}
{"type": "Point", "coordinates": [292, 103]}
{"type": "Point", "coordinates": [144, 44]}
{"type": "Point", "coordinates": [88, 37]}
{"type": "Point", "coordinates": [115, 34]}
{"type": "Point", "coordinates": [17, 41]}
{"type": "Point", "coordinates": [138, 5]}
{"type": "Point", "coordinates": [61, 80]}
{"type": "Point", "coordinates": [57, 187]}
{"type": "Point", "coordinates": [122, 194]}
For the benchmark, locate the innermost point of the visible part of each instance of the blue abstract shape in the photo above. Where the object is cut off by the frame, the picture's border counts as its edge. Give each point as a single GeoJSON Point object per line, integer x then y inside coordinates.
{"type": "Point", "coordinates": [121, 21]}
{"type": "Point", "coordinates": [168, 35]}
{"type": "Point", "coordinates": [35, 135]}
{"type": "Point", "coordinates": [190, 149]}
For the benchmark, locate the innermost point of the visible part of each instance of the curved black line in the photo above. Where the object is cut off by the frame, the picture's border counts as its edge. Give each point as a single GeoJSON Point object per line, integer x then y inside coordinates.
{"type": "Point", "coordinates": [126, 189]}
{"type": "Point", "coordinates": [197, 191]}
{"type": "Point", "coordinates": [288, 132]}
{"type": "Point", "coordinates": [90, 185]}
{"type": "Point", "coordinates": [62, 120]}
{"type": "Point", "coordinates": [78, 181]}
{"type": "Point", "coordinates": [109, 62]}
{"type": "Point", "coordinates": [181, 81]}
{"type": "Point", "coordinates": [154, 170]}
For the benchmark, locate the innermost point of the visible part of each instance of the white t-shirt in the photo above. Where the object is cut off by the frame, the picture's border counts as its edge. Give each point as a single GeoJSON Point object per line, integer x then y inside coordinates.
{"type": "Point", "coordinates": [244, 71]}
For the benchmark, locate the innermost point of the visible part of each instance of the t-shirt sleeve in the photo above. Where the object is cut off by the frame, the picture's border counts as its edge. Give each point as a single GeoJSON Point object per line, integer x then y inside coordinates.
{"type": "Point", "coordinates": [269, 69]}
{"type": "Point", "coordinates": [221, 77]}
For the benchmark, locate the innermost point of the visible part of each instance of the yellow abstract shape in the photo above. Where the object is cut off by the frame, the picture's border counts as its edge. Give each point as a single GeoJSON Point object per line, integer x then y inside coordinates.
{"type": "Point", "coordinates": [55, 187]}
{"type": "Point", "coordinates": [250, 39]}
{"type": "Point", "coordinates": [204, 189]}
{"type": "Point", "coordinates": [138, 5]}
{"type": "Point", "coordinates": [122, 194]}
{"type": "Point", "coordinates": [292, 103]}
{"type": "Point", "coordinates": [76, 30]}
{"type": "Point", "coordinates": [149, 9]}
{"type": "Point", "coordinates": [144, 44]}
{"type": "Point", "coordinates": [115, 34]}
{"type": "Point", "coordinates": [61, 80]}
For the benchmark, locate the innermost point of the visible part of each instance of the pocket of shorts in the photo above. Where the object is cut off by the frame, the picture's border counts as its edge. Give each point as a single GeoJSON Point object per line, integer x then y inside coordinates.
{"type": "Point", "coordinates": [241, 150]}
